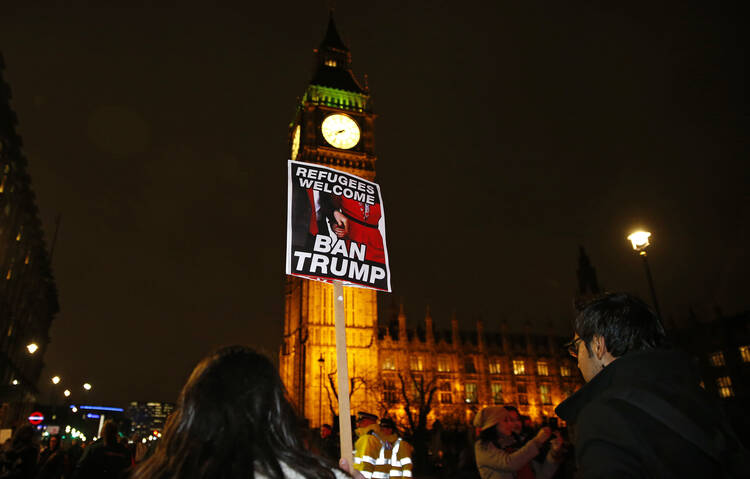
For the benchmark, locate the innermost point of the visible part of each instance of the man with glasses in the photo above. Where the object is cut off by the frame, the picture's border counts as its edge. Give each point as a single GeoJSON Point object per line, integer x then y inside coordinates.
{"type": "Point", "coordinates": [642, 412]}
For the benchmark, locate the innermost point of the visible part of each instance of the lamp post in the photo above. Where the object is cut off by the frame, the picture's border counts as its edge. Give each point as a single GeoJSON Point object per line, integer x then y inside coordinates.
{"type": "Point", "coordinates": [640, 242]}
{"type": "Point", "coordinates": [55, 380]}
{"type": "Point", "coordinates": [321, 361]}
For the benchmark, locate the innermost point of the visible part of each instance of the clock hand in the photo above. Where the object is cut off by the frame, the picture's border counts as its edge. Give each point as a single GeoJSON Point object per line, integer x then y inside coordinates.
{"type": "Point", "coordinates": [340, 131]}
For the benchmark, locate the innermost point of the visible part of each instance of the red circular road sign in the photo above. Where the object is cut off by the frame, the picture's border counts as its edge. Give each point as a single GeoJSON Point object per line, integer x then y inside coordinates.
{"type": "Point", "coordinates": [36, 418]}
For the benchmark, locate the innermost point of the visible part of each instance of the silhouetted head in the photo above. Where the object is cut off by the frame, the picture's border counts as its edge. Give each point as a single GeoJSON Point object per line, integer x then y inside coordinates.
{"type": "Point", "coordinates": [625, 322]}
{"type": "Point", "coordinates": [22, 436]}
{"type": "Point", "coordinates": [611, 326]}
{"type": "Point", "coordinates": [232, 418]}
{"type": "Point", "coordinates": [109, 432]}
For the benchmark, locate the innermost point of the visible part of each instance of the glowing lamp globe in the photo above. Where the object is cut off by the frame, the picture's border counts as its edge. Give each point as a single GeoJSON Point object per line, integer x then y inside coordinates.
{"type": "Point", "coordinates": [639, 240]}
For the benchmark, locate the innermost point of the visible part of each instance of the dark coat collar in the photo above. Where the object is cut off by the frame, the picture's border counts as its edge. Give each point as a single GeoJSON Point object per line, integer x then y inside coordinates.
{"type": "Point", "coordinates": [635, 369]}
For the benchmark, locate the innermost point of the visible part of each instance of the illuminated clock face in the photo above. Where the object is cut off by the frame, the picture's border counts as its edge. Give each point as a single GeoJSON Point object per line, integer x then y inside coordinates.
{"type": "Point", "coordinates": [295, 142]}
{"type": "Point", "coordinates": [340, 131]}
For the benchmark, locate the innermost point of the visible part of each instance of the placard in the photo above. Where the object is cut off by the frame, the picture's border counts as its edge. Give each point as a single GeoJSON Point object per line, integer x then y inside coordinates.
{"type": "Point", "coordinates": [336, 228]}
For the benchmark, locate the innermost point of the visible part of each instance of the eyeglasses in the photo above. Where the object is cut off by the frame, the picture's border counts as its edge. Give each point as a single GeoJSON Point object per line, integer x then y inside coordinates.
{"type": "Point", "coordinates": [572, 347]}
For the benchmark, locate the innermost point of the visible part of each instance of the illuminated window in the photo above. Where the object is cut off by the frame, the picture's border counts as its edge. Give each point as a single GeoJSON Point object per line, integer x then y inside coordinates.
{"type": "Point", "coordinates": [518, 367]}
{"type": "Point", "coordinates": [702, 384]}
{"type": "Point", "coordinates": [26, 261]}
{"type": "Point", "coordinates": [443, 364]}
{"type": "Point", "coordinates": [2, 183]}
{"type": "Point", "coordinates": [717, 359]}
{"type": "Point", "coordinates": [564, 371]}
{"type": "Point", "coordinates": [495, 366]}
{"type": "Point", "coordinates": [745, 354]}
{"type": "Point", "coordinates": [725, 386]}
{"type": "Point", "coordinates": [445, 393]}
{"type": "Point", "coordinates": [541, 368]}
{"type": "Point", "coordinates": [471, 392]}
{"type": "Point", "coordinates": [497, 393]}
{"type": "Point", "coordinates": [331, 63]}
{"type": "Point", "coordinates": [10, 274]}
{"type": "Point", "coordinates": [416, 384]}
{"type": "Point", "coordinates": [469, 365]}
{"type": "Point", "coordinates": [522, 398]}
{"type": "Point", "coordinates": [415, 363]}
{"type": "Point", "coordinates": [389, 363]}
{"type": "Point", "coordinates": [390, 396]}
{"type": "Point", "coordinates": [544, 394]}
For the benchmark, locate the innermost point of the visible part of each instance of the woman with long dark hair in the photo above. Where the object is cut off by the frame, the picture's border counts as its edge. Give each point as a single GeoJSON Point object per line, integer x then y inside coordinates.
{"type": "Point", "coordinates": [233, 421]}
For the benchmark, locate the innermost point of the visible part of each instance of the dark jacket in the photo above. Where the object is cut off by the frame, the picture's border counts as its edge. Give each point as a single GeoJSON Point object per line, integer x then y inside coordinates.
{"type": "Point", "coordinates": [103, 461]}
{"type": "Point", "coordinates": [613, 437]}
{"type": "Point", "coordinates": [19, 462]}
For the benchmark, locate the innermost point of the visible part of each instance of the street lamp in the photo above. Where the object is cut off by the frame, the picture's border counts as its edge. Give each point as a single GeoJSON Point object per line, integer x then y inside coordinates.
{"type": "Point", "coordinates": [87, 386]}
{"type": "Point", "coordinates": [321, 361]}
{"type": "Point", "coordinates": [66, 393]}
{"type": "Point", "coordinates": [55, 380]}
{"type": "Point", "coordinates": [640, 241]}
{"type": "Point", "coordinates": [32, 348]}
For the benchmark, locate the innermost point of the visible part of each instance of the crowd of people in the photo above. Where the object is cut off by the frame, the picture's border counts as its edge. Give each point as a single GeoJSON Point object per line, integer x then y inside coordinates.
{"type": "Point", "coordinates": [112, 455]}
{"type": "Point", "coordinates": [641, 413]}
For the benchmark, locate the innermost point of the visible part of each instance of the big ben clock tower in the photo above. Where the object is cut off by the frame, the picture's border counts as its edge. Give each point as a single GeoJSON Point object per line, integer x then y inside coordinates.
{"type": "Point", "coordinates": [333, 126]}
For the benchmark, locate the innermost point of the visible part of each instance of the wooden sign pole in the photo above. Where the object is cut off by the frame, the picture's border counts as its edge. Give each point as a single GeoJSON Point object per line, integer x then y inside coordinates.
{"type": "Point", "coordinates": [345, 420]}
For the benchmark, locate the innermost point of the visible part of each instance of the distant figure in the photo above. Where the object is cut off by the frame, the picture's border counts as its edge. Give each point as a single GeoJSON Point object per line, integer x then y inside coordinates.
{"type": "Point", "coordinates": [517, 424]}
{"type": "Point", "coordinates": [329, 444]}
{"type": "Point", "coordinates": [106, 458]}
{"type": "Point", "coordinates": [642, 412]}
{"type": "Point", "coordinates": [233, 421]}
{"type": "Point", "coordinates": [53, 462]}
{"type": "Point", "coordinates": [370, 457]}
{"type": "Point", "coordinates": [401, 451]}
{"type": "Point", "coordinates": [498, 455]}
{"type": "Point", "coordinates": [75, 451]}
{"type": "Point", "coordinates": [20, 460]}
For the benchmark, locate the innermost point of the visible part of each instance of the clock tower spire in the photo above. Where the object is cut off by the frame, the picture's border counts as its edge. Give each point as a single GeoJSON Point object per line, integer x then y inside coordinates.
{"type": "Point", "coordinates": [334, 123]}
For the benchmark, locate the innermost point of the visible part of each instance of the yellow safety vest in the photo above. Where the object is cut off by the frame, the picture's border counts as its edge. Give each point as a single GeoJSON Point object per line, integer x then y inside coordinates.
{"type": "Point", "coordinates": [372, 456]}
{"type": "Point", "coordinates": [401, 465]}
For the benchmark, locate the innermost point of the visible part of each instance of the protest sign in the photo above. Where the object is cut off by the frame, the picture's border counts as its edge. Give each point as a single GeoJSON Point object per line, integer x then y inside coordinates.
{"type": "Point", "coordinates": [336, 228]}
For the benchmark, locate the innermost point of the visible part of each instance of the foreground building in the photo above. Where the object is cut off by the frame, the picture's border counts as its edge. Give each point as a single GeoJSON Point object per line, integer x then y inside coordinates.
{"type": "Point", "coordinates": [446, 375]}
{"type": "Point", "coordinates": [28, 296]}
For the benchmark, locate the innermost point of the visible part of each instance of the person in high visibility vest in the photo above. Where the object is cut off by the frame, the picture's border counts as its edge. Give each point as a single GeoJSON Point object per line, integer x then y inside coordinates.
{"type": "Point", "coordinates": [401, 451]}
{"type": "Point", "coordinates": [372, 453]}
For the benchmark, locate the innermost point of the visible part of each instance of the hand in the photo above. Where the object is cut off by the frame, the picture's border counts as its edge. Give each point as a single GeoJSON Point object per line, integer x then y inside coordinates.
{"type": "Point", "coordinates": [542, 436]}
{"type": "Point", "coordinates": [346, 467]}
{"type": "Point", "coordinates": [557, 443]}
{"type": "Point", "coordinates": [341, 228]}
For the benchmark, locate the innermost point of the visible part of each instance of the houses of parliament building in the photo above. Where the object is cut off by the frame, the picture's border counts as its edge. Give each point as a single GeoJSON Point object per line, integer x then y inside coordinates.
{"type": "Point", "coordinates": [393, 367]}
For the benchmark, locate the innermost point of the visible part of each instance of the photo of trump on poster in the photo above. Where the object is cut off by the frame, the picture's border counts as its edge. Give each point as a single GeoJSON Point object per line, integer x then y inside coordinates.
{"type": "Point", "coordinates": [336, 228]}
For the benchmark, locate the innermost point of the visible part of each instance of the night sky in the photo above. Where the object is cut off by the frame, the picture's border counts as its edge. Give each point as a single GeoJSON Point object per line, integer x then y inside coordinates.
{"type": "Point", "coordinates": [507, 136]}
